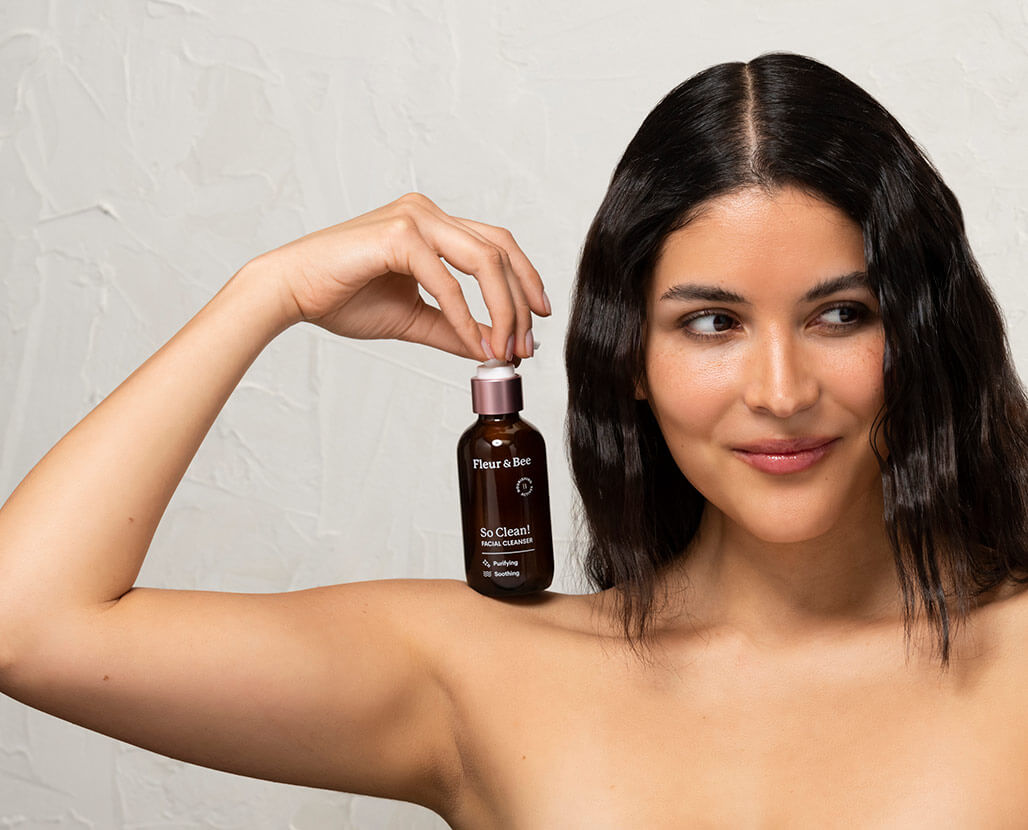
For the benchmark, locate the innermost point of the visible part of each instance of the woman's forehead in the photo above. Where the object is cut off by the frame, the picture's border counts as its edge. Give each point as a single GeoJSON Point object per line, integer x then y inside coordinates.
{"type": "Point", "coordinates": [754, 236]}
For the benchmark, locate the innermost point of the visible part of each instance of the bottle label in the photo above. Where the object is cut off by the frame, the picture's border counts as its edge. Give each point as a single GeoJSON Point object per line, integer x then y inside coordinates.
{"type": "Point", "coordinates": [502, 463]}
{"type": "Point", "coordinates": [503, 549]}
{"type": "Point", "coordinates": [509, 539]}
{"type": "Point", "coordinates": [505, 508]}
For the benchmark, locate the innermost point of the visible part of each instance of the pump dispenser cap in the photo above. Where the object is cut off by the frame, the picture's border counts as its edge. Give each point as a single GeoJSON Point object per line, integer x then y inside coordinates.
{"type": "Point", "coordinates": [496, 389]}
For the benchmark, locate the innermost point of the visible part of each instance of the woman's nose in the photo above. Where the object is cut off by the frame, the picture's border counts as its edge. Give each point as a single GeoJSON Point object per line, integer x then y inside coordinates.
{"type": "Point", "coordinates": [779, 380]}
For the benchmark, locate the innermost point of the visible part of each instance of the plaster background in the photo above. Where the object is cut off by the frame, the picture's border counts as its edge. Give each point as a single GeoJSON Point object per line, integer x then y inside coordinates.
{"type": "Point", "coordinates": [149, 149]}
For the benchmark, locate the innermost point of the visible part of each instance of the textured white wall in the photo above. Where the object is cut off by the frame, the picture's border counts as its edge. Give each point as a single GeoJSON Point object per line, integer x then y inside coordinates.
{"type": "Point", "coordinates": [148, 149]}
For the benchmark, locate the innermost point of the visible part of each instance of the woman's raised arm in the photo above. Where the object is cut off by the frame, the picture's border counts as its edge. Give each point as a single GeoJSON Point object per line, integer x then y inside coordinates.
{"type": "Point", "coordinates": [326, 687]}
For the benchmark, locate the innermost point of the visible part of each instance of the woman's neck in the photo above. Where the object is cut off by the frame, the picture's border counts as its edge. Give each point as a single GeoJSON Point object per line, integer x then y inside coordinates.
{"type": "Point", "coordinates": [781, 592]}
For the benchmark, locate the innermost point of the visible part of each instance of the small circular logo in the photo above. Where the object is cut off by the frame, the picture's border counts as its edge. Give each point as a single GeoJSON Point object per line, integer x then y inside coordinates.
{"type": "Point", "coordinates": [524, 486]}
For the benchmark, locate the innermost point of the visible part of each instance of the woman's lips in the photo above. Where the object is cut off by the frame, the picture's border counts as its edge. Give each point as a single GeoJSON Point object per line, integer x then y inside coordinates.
{"type": "Point", "coordinates": [778, 462]}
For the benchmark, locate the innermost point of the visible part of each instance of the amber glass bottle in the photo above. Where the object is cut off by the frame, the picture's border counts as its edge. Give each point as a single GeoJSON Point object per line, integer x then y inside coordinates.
{"type": "Point", "coordinates": [504, 492]}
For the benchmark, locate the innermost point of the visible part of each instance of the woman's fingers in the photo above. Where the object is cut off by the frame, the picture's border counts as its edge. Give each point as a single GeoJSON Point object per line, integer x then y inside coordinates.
{"type": "Point", "coordinates": [347, 279]}
{"type": "Point", "coordinates": [433, 328]}
{"type": "Point", "coordinates": [528, 276]}
{"type": "Point", "coordinates": [472, 254]}
{"type": "Point", "coordinates": [496, 261]}
{"type": "Point", "coordinates": [529, 285]}
{"type": "Point", "coordinates": [424, 263]}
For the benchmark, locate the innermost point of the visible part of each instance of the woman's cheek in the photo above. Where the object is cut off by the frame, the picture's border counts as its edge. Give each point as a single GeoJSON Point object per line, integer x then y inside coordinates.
{"type": "Point", "coordinates": [856, 374]}
{"type": "Point", "coordinates": [689, 393]}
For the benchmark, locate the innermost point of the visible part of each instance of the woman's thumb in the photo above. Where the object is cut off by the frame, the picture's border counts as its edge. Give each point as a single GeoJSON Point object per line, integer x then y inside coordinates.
{"type": "Point", "coordinates": [431, 328]}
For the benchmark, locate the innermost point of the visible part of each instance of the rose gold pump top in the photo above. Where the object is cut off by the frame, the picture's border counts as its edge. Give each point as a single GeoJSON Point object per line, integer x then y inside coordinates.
{"type": "Point", "coordinates": [496, 389]}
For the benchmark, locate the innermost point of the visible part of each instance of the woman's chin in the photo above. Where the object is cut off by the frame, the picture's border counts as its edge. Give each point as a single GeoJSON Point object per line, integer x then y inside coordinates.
{"type": "Point", "coordinates": [787, 530]}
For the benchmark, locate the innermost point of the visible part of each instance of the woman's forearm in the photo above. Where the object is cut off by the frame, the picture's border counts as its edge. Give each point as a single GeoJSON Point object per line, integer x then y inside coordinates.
{"type": "Point", "coordinates": [74, 533]}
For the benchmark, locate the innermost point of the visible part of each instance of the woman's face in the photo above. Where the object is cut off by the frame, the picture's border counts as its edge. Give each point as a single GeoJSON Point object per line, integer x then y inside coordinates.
{"type": "Point", "coordinates": [760, 331]}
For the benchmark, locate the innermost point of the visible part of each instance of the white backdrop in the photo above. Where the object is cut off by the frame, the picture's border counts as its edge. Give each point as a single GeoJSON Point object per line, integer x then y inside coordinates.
{"type": "Point", "coordinates": [148, 149]}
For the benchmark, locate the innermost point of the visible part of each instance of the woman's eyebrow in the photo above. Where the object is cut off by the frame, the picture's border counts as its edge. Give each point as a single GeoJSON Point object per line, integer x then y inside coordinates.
{"type": "Point", "coordinates": [713, 294]}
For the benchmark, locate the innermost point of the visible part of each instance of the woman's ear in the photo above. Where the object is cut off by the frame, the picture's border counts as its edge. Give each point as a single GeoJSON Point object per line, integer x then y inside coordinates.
{"type": "Point", "coordinates": [641, 393]}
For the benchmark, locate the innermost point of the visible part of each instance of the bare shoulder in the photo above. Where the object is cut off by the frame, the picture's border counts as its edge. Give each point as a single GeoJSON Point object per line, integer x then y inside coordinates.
{"type": "Point", "coordinates": [449, 606]}
{"type": "Point", "coordinates": [999, 630]}
{"type": "Point", "coordinates": [1007, 609]}
{"type": "Point", "coordinates": [1012, 607]}
{"type": "Point", "coordinates": [472, 640]}
{"type": "Point", "coordinates": [999, 672]}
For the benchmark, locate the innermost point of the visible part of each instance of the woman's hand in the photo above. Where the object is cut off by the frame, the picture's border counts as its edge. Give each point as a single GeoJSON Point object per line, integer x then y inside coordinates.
{"type": "Point", "coordinates": [360, 279]}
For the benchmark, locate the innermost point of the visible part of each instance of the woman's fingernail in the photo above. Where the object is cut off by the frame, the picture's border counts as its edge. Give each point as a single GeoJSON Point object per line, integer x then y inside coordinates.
{"type": "Point", "coordinates": [529, 343]}
{"type": "Point", "coordinates": [546, 302]}
{"type": "Point", "coordinates": [488, 349]}
{"type": "Point", "coordinates": [510, 348]}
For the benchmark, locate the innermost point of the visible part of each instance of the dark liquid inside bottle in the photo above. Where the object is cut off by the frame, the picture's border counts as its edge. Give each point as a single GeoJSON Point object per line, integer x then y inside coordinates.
{"type": "Point", "coordinates": [505, 505]}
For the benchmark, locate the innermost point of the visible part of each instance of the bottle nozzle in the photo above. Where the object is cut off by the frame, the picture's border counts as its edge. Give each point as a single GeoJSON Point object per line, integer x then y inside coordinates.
{"type": "Point", "coordinates": [496, 389]}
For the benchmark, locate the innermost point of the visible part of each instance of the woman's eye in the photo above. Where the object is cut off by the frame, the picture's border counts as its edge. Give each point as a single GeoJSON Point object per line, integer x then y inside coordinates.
{"type": "Point", "coordinates": [844, 316]}
{"type": "Point", "coordinates": [708, 323]}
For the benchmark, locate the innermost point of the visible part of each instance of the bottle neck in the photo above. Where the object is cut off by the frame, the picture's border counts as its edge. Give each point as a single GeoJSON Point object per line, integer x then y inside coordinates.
{"type": "Point", "coordinates": [496, 419]}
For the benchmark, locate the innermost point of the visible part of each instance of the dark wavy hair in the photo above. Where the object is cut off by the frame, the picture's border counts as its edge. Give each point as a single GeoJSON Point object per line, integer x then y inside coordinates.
{"type": "Point", "coordinates": [955, 419]}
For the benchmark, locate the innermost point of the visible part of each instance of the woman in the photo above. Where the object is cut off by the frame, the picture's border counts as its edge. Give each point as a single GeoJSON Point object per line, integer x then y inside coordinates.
{"type": "Point", "coordinates": [792, 419]}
